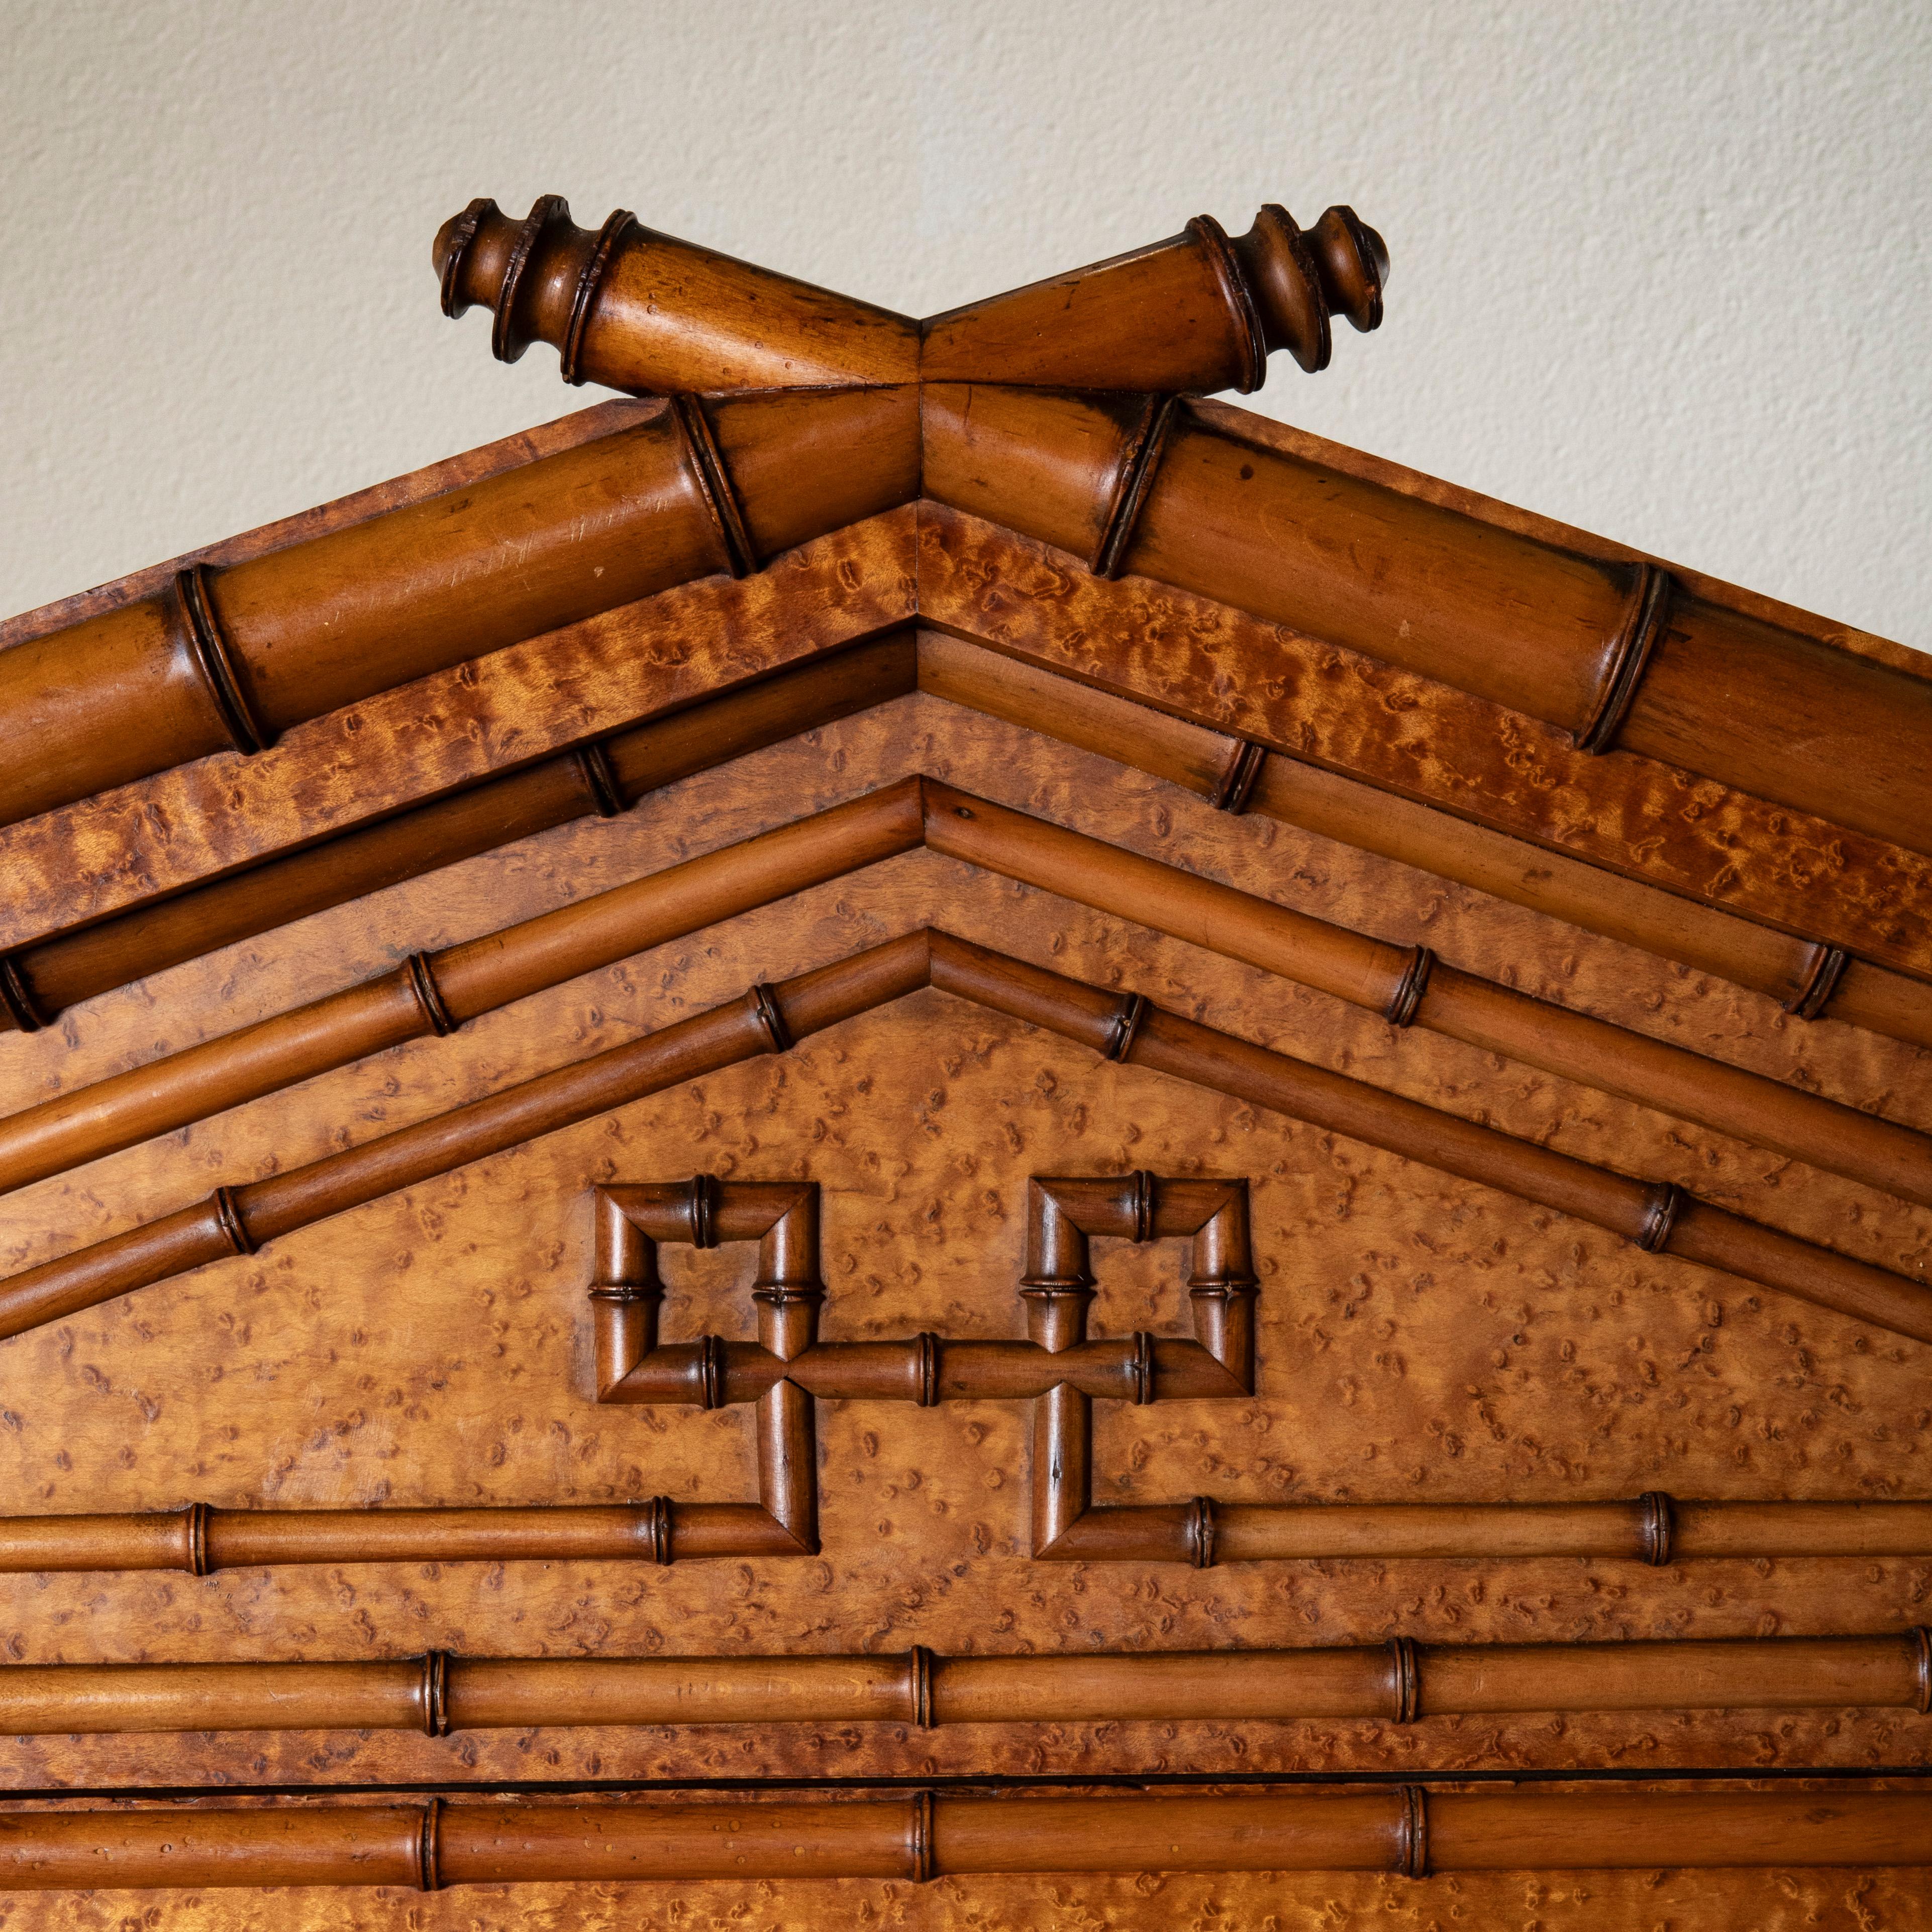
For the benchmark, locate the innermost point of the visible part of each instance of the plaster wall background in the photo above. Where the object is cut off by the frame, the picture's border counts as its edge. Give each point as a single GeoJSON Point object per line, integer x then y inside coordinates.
{"type": "Point", "coordinates": [1658, 269]}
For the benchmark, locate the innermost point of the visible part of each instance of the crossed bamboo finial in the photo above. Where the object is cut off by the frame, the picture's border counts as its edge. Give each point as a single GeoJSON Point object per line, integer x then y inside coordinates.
{"type": "Point", "coordinates": [634, 310]}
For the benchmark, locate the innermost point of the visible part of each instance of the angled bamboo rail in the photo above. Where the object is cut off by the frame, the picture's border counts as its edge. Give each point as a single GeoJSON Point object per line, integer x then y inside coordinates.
{"type": "Point", "coordinates": [1405, 1831]}
{"type": "Point", "coordinates": [1660, 1218]}
{"type": "Point", "coordinates": [1400, 1682]}
{"type": "Point", "coordinates": [607, 776]}
{"type": "Point", "coordinates": [226, 660]}
{"type": "Point", "coordinates": [1406, 985]}
{"type": "Point", "coordinates": [1809, 980]}
{"type": "Point", "coordinates": [1620, 656]}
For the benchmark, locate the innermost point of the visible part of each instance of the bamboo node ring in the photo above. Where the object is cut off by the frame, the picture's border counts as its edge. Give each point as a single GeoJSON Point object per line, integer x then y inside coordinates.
{"type": "Point", "coordinates": [600, 779]}
{"type": "Point", "coordinates": [1200, 1532]}
{"type": "Point", "coordinates": [1406, 999]}
{"type": "Point", "coordinates": [928, 1396]}
{"type": "Point", "coordinates": [1142, 1368]}
{"type": "Point", "coordinates": [428, 995]}
{"type": "Point", "coordinates": [23, 1009]}
{"type": "Point", "coordinates": [1656, 1522]}
{"type": "Point", "coordinates": [1827, 965]}
{"type": "Point", "coordinates": [1123, 1025]}
{"type": "Point", "coordinates": [1625, 659]}
{"type": "Point", "coordinates": [1663, 1203]}
{"type": "Point", "coordinates": [548, 211]}
{"type": "Point", "coordinates": [1133, 479]}
{"type": "Point", "coordinates": [1143, 1184]}
{"type": "Point", "coordinates": [226, 1206]}
{"type": "Point", "coordinates": [1236, 785]}
{"type": "Point", "coordinates": [711, 1371]}
{"type": "Point", "coordinates": [1922, 1638]}
{"type": "Point", "coordinates": [462, 236]}
{"type": "Point", "coordinates": [700, 1210]}
{"type": "Point", "coordinates": [194, 1539]}
{"type": "Point", "coordinates": [661, 1525]}
{"type": "Point", "coordinates": [1243, 311]}
{"type": "Point", "coordinates": [433, 1694]}
{"type": "Point", "coordinates": [1405, 1680]}
{"type": "Point", "coordinates": [214, 658]}
{"type": "Point", "coordinates": [616, 224]}
{"type": "Point", "coordinates": [714, 485]}
{"type": "Point", "coordinates": [770, 1015]}
{"type": "Point", "coordinates": [919, 1837]}
{"type": "Point", "coordinates": [919, 1686]}
{"type": "Point", "coordinates": [1412, 1834]}
{"type": "Point", "coordinates": [429, 1847]}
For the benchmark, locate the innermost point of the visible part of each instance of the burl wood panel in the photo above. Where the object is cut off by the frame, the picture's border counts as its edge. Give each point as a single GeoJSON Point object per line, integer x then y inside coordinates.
{"type": "Point", "coordinates": [1798, 1901]}
{"type": "Point", "coordinates": [1418, 1338]}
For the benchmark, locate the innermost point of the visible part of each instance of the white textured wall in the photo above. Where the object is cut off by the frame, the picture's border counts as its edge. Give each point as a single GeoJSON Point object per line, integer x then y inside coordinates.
{"type": "Point", "coordinates": [1658, 269]}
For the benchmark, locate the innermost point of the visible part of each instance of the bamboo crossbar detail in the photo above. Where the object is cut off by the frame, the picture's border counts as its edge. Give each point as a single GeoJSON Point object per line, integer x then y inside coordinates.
{"type": "Point", "coordinates": [1407, 1830]}
{"type": "Point", "coordinates": [1400, 1682]}
{"type": "Point", "coordinates": [1661, 1219]}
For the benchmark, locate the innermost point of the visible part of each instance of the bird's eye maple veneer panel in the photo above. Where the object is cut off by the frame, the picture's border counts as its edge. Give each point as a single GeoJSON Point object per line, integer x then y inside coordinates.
{"type": "Point", "coordinates": [1417, 1338]}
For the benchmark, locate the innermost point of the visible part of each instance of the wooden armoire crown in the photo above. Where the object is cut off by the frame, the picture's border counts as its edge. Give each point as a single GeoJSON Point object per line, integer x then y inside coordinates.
{"type": "Point", "coordinates": [915, 1131]}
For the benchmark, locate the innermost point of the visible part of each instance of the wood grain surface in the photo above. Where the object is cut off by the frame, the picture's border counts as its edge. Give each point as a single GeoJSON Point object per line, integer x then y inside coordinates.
{"type": "Point", "coordinates": [1418, 1338]}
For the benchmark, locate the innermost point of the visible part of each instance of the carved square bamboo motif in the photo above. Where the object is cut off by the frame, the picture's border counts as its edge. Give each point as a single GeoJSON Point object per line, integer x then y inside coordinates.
{"type": "Point", "coordinates": [1058, 1367]}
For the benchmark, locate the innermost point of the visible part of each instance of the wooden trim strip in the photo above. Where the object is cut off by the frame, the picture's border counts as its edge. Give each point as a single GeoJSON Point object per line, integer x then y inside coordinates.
{"type": "Point", "coordinates": [1787, 969]}
{"type": "Point", "coordinates": [1402, 1682]}
{"type": "Point", "coordinates": [1401, 1831]}
{"type": "Point", "coordinates": [1404, 986]}
{"type": "Point", "coordinates": [610, 776]}
{"type": "Point", "coordinates": [200, 1539]}
{"type": "Point", "coordinates": [1166, 1043]}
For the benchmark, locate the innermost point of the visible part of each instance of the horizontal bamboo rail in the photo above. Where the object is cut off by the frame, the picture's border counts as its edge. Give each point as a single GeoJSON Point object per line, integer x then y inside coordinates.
{"type": "Point", "coordinates": [228, 659]}
{"type": "Point", "coordinates": [606, 777]}
{"type": "Point", "coordinates": [1654, 1529]}
{"type": "Point", "coordinates": [1401, 1681]}
{"type": "Point", "coordinates": [1405, 1831]}
{"type": "Point", "coordinates": [639, 310]}
{"type": "Point", "coordinates": [1407, 985]}
{"type": "Point", "coordinates": [1661, 1219]}
{"type": "Point", "coordinates": [1621, 655]}
{"type": "Point", "coordinates": [1809, 980]}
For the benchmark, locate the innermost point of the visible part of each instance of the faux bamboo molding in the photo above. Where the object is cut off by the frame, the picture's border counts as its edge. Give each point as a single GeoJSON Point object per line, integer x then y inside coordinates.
{"type": "Point", "coordinates": [1406, 1830]}
{"type": "Point", "coordinates": [1620, 656]}
{"type": "Point", "coordinates": [605, 776]}
{"type": "Point", "coordinates": [1406, 985]}
{"type": "Point", "coordinates": [1656, 1530]}
{"type": "Point", "coordinates": [1810, 979]}
{"type": "Point", "coordinates": [1399, 1682]}
{"type": "Point", "coordinates": [226, 660]}
{"type": "Point", "coordinates": [1660, 1218]}
{"type": "Point", "coordinates": [640, 310]}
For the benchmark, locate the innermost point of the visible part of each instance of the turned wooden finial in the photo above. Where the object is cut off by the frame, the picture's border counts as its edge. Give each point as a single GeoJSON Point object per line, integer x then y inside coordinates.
{"type": "Point", "coordinates": [1304, 276]}
{"type": "Point", "coordinates": [639, 310]}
